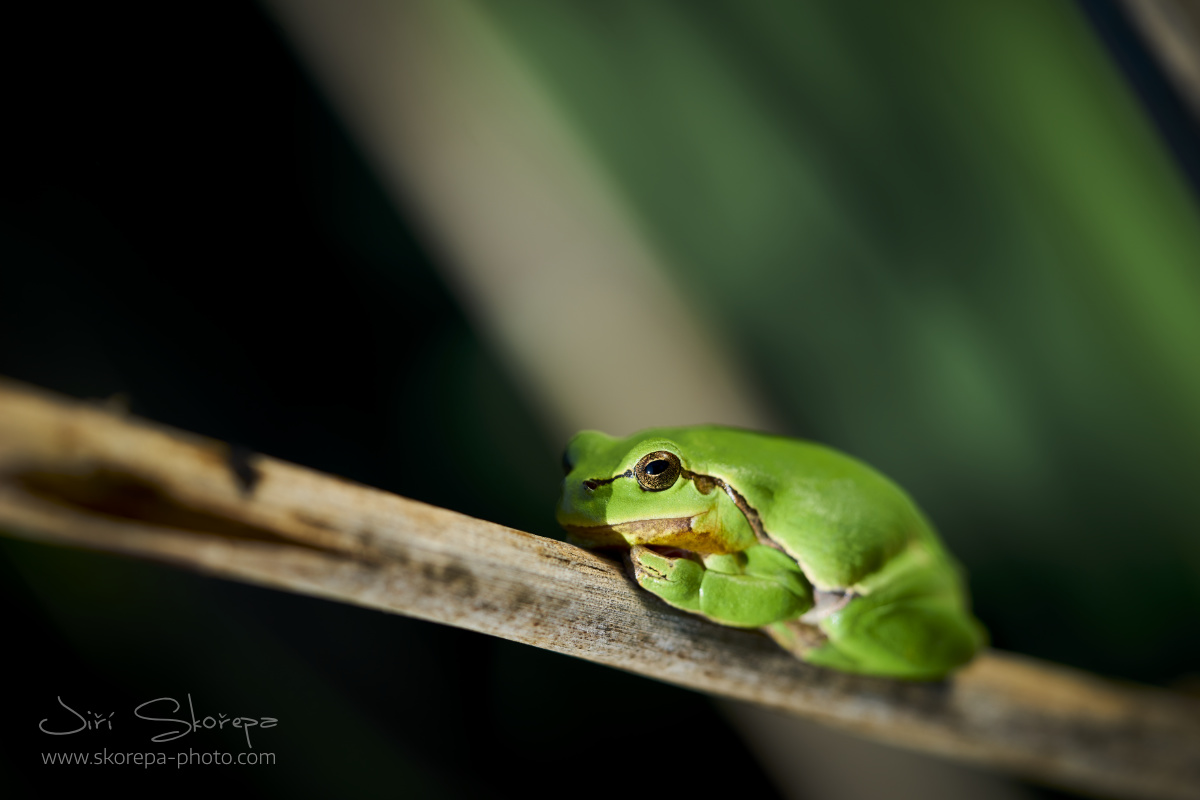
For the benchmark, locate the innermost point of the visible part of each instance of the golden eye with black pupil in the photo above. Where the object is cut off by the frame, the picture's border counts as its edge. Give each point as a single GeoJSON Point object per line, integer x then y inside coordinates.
{"type": "Point", "coordinates": [657, 471]}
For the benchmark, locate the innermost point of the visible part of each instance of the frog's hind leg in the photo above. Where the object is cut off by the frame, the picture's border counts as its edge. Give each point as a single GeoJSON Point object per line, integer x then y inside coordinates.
{"type": "Point", "coordinates": [919, 638]}
{"type": "Point", "coordinates": [809, 642]}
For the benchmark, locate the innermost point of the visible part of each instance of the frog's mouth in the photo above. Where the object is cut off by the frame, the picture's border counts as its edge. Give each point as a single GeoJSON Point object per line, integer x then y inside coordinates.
{"type": "Point", "coordinates": [676, 532]}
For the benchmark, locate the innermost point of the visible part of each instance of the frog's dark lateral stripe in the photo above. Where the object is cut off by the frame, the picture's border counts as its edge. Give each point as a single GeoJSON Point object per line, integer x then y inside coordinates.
{"type": "Point", "coordinates": [705, 484]}
{"type": "Point", "coordinates": [593, 483]}
{"type": "Point", "coordinates": [825, 602]}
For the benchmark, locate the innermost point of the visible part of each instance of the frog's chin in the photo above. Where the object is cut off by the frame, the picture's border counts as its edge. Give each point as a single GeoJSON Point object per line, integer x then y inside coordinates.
{"type": "Point", "coordinates": [679, 532]}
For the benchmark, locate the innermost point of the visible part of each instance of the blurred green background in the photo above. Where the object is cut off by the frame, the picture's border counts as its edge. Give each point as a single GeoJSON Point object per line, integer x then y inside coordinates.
{"type": "Point", "coordinates": [944, 237]}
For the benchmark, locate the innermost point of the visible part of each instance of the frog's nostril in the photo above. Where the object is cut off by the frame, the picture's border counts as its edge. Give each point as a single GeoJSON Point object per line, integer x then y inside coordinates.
{"type": "Point", "coordinates": [590, 485]}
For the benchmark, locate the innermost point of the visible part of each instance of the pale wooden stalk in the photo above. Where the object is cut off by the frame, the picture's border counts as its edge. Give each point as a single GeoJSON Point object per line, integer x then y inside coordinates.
{"type": "Point", "coordinates": [1171, 32]}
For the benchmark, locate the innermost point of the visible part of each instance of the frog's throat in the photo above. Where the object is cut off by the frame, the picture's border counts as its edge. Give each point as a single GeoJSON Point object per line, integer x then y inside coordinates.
{"type": "Point", "coordinates": [681, 532]}
{"type": "Point", "coordinates": [679, 529]}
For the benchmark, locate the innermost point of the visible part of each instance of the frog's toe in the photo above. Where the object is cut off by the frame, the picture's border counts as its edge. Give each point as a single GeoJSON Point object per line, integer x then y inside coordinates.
{"type": "Point", "coordinates": [675, 579]}
{"type": "Point", "coordinates": [661, 564]}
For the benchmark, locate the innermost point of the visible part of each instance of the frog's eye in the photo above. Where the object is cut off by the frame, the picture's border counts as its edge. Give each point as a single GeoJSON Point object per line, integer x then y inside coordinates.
{"type": "Point", "coordinates": [657, 471]}
{"type": "Point", "coordinates": [566, 462]}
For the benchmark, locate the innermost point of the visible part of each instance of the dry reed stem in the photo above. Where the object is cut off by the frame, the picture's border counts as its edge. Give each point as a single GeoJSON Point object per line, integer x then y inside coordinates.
{"type": "Point", "coordinates": [76, 474]}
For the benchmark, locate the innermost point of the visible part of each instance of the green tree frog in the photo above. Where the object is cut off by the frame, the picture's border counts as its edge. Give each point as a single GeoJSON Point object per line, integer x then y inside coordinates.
{"type": "Point", "coordinates": [823, 553]}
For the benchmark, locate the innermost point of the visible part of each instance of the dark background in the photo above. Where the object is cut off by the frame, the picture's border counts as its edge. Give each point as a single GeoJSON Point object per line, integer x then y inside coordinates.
{"type": "Point", "coordinates": [188, 230]}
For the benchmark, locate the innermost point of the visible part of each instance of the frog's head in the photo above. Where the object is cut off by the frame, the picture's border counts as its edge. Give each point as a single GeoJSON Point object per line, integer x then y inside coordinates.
{"type": "Point", "coordinates": [639, 491]}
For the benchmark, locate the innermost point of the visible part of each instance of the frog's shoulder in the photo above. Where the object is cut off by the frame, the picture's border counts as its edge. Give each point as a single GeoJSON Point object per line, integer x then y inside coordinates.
{"type": "Point", "coordinates": [841, 519]}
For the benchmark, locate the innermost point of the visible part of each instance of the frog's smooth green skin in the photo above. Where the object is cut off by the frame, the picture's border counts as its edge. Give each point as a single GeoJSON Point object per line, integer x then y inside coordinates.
{"type": "Point", "coordinates": [822, 552]}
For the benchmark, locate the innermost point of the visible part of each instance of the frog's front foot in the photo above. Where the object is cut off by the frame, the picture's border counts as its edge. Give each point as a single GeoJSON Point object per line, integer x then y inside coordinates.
{"type": "Point", "coordinates": [674, 578]}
